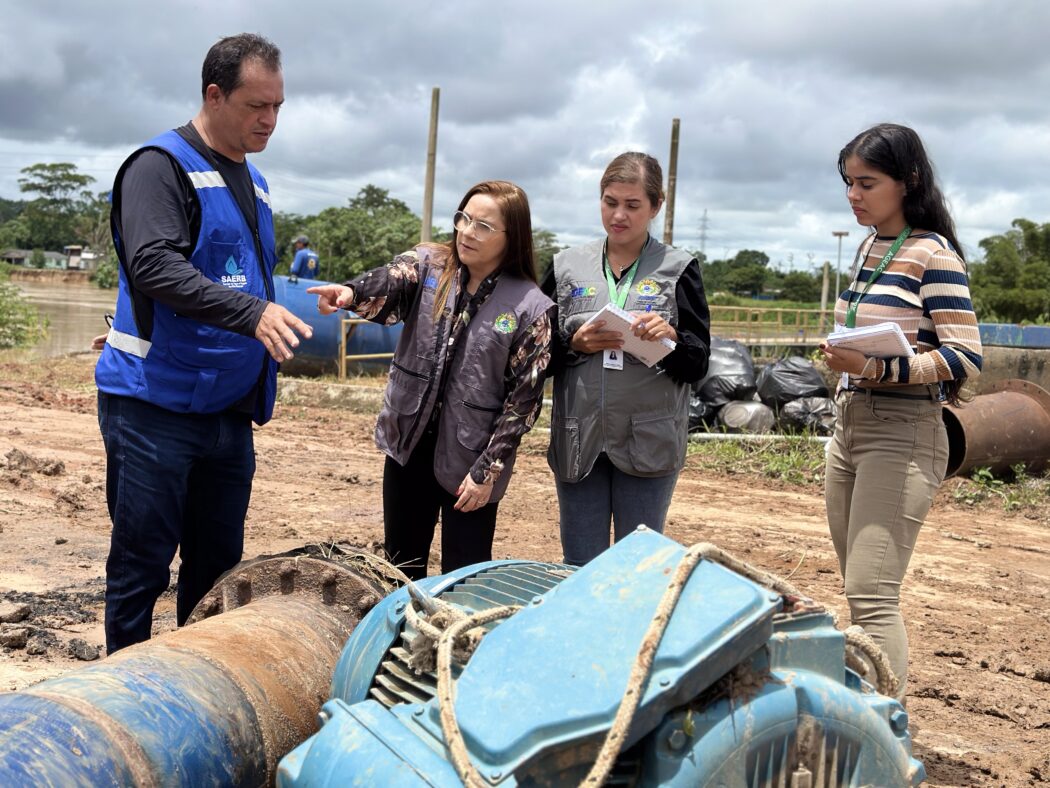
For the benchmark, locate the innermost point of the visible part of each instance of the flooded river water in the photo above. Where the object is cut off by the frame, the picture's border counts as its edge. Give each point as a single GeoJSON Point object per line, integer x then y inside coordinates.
{"type": "Point", "coordinates": [75, 313]}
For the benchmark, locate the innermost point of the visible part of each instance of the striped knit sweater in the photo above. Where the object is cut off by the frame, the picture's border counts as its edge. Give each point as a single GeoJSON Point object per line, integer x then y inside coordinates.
{"type": "Point", "coordinates": [926, 291]}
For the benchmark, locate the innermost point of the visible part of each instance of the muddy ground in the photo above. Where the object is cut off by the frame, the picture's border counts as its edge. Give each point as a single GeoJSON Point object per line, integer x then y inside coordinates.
{"type": "Point", "coordinates": [976, 599]}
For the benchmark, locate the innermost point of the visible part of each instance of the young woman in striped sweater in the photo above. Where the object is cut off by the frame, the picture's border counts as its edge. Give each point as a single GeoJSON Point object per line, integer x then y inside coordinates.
{"type": "Point", "coordinates": [890, 450]}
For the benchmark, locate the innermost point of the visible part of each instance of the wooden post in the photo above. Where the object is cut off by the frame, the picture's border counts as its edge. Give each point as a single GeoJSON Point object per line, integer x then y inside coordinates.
{"type": "Point", "coordinates": [428, 183]}
{"type": "Point", "coordinates": [342, 348]}
{"type": "Point", "coordinates": [672, 182]}
{"type": "Point", "coordinates": [824, 290]}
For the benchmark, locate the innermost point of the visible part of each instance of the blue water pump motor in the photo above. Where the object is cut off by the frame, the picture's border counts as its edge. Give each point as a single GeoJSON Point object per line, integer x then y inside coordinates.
{"type": "Point", "coordinates": [746, 688]}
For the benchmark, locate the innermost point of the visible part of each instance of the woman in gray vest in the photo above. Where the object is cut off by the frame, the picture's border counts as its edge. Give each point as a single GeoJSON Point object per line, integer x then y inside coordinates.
{"type": "Point", "coordinates": [466, 381]}
{"type": "Point", "coordinates": [618, 428]}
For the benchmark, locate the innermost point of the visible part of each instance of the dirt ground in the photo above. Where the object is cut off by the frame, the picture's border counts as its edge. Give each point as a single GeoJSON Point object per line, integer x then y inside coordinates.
{"type": "Point", "coordinates": [975, 600]}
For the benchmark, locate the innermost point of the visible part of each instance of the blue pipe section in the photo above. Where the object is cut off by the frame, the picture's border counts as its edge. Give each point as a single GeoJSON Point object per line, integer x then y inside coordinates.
{"type": "Point", "coordinates": [320, 353]}
{"type": "Point", "coordinates": [159, 716]}
{"type": "Point", "coordinates": [215, 703]}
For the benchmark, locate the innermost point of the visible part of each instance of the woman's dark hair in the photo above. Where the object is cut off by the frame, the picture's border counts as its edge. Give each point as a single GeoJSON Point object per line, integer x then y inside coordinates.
{"type": "Point", "coordinates": [898, 152]}
{"type": "Point", "coordinates": [635, 167]}
{"type": "Point", "coordinates": [518, 258]}
{"type": "Point", "coordinates": [222, 64]}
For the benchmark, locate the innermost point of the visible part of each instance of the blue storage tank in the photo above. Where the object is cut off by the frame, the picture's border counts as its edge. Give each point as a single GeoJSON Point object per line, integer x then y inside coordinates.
{"type": "Point", "coordinates": [1013, 335]}
{"type": "Point", "coordinates": [320, 354]}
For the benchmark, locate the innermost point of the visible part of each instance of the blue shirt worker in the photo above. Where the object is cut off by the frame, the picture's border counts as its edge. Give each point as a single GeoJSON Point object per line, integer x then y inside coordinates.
{"type": "Point", "coordinates": [191, 358]}
{"type": "Point", "coordinates": [306, 264]}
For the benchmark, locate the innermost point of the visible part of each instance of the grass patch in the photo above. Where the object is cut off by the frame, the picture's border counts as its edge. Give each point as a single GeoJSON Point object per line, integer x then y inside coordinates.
{"type": "Point", "coordinates": [1015, 491]}
{"type": "Point", "coordinates": [65, 373]}
{"type": "Point", "coordinates": [792, 459]}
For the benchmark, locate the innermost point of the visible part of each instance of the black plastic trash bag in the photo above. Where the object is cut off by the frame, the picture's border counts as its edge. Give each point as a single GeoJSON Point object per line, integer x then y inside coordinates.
{"type": "Point", "coordinates": [702, 414]}
{"type": "Point", "coordinates": [809, 414]}
{"type": "Point", "coordinates": [751, 417]}
{"type": "Point", "coordinates": [730, 374]}
{"type": "Point", "coordinates": [789, 379]}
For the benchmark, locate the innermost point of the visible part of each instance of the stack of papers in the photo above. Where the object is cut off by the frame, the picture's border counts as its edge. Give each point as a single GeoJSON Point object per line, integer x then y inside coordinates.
{"type": "Point", "coordinates": [645, 350]}
{"type": "Point", "coordinates": [882, 340]}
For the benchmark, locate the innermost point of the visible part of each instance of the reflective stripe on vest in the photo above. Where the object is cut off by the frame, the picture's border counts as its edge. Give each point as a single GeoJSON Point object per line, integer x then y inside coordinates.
{"type": "Point", "coordinates": [128, 343]}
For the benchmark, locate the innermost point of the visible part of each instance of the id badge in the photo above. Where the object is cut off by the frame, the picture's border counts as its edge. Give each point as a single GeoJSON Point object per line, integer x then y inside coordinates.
{"type": "Point", "coordinates": [613, 359]}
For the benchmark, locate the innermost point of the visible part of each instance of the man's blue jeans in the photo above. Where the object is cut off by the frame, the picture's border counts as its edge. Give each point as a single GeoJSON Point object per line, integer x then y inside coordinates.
{"type": "Point", "coordinates": [586, 507]}
{"type": "Point", "coordinates": [173, 481]}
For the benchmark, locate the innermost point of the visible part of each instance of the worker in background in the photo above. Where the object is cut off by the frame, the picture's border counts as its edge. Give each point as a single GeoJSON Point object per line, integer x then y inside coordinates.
{"type": "Point", "coordinates": [306, 264]}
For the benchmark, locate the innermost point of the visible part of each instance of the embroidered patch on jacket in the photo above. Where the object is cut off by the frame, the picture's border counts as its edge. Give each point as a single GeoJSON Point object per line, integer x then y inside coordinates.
{"type": "Point", "coordinates": [431, 283]}
{"type": "Point", "coordinates": [505, 323]}
{"type": "Point", "coordinates": [583, 292]}
{"type": "Point", "coordinates": [647, 287]}
{"type": "Point", "coordinates": [234, 276]}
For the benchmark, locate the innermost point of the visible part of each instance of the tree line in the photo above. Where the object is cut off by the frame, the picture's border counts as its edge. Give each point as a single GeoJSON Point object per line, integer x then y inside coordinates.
{"type": "Point", "coordinates": [371, 229]}
{"type": "Point", "coordinates": [1010, 284]}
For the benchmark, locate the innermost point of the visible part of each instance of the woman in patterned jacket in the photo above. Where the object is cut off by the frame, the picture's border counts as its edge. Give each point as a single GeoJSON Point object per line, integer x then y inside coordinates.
{"type": "Point", "coordinates": [466, 381]}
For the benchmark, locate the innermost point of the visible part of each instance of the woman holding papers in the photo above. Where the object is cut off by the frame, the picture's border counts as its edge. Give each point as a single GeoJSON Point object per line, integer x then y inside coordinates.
{"type": "Point", "coordinates": [466, 381]}
{"type": "Point", "coordinates": [890, 450]}
{"type": "Point", "coordinates": [618, 428]}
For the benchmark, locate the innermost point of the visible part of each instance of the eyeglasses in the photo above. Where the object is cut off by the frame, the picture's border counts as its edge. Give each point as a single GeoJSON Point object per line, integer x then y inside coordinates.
{"type": "Point", "coordinates": [482, 230]}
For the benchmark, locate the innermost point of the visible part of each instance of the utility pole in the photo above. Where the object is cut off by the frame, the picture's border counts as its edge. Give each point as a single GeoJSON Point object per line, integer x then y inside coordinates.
{"type": "Point", "coordinates": [672, 182]}
{"type": "Point", "coordinates": [840, 234]}
{"type": "Point", "coordinates": [428, 182]}
{"type": "Point", "coordinates": [703, 233]}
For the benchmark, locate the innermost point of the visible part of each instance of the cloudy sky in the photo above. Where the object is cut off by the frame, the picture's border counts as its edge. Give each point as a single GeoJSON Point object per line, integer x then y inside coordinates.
{"type": "Point", "coordinates": [544, 93]}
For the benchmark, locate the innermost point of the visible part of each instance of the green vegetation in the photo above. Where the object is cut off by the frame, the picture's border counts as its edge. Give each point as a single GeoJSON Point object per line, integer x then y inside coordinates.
{"type": "Point", "coordinates": [796, 460]}
{"type": "Point", "coordinates": [19, 320]}
{"type": "Point", "coordinates": [62, 196]}
{"type": "Point", "coordinates": [1016, 491]}
{"type": "Point", "coordinates": [800, 462]}
{"type": "Point", "coordinates": [370, 230]}
{"type": "Point", "coordinates": [748, 275]}
{"type": "Point", "coordinates": [1012, 284]}
{"type": "Point", "coordinates": [105, 274]}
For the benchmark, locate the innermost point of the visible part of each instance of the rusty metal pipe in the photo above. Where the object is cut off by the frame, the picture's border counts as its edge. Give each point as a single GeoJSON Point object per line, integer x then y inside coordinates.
{"type": "Point", "coordinates": [215, 703]}
{"type": "Point", "coordinates": [1007, 425]}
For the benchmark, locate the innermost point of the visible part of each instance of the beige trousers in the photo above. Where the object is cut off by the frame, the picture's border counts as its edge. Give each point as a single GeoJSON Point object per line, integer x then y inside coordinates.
{"type": "Point", "coordinates": [884, 464]}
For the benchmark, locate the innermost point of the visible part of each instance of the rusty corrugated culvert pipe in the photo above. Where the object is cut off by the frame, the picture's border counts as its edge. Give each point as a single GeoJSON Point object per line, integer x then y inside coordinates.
{"type": "Point", "coordinates": [215, 703]}
{"type": "Point", "coordinates": [1006, 425]}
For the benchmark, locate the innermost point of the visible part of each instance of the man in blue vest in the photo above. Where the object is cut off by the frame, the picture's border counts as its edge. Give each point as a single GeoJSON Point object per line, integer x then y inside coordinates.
{"type": "Point", "coordinates": [306, 264]}
{"type": "Point", "coordinates": [191, 358]}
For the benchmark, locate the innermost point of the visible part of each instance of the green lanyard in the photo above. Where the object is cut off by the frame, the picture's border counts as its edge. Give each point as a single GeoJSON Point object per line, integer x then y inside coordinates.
{"type": "Point", "coordinates": [851, 309]}
{"type": "Point", "coordinates": [618, 292]}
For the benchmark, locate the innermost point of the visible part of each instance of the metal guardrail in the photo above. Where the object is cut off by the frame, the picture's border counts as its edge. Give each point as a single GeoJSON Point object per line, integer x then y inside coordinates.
{"type": "Point", "coordinates": [348, 326]}
{"type": "Point", "coordinates": [764, 326]}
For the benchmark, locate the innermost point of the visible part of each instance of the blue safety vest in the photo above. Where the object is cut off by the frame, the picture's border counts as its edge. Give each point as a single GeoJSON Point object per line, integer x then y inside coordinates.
{"type": "Point", "coordinates": [184, 365]}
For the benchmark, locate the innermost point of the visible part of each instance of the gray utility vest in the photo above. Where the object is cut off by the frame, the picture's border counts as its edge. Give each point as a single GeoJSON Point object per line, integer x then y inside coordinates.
{"type": "Point", "coordinates": [475, 390]}
{"type": "Point", "coordinates": [637, 415]}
